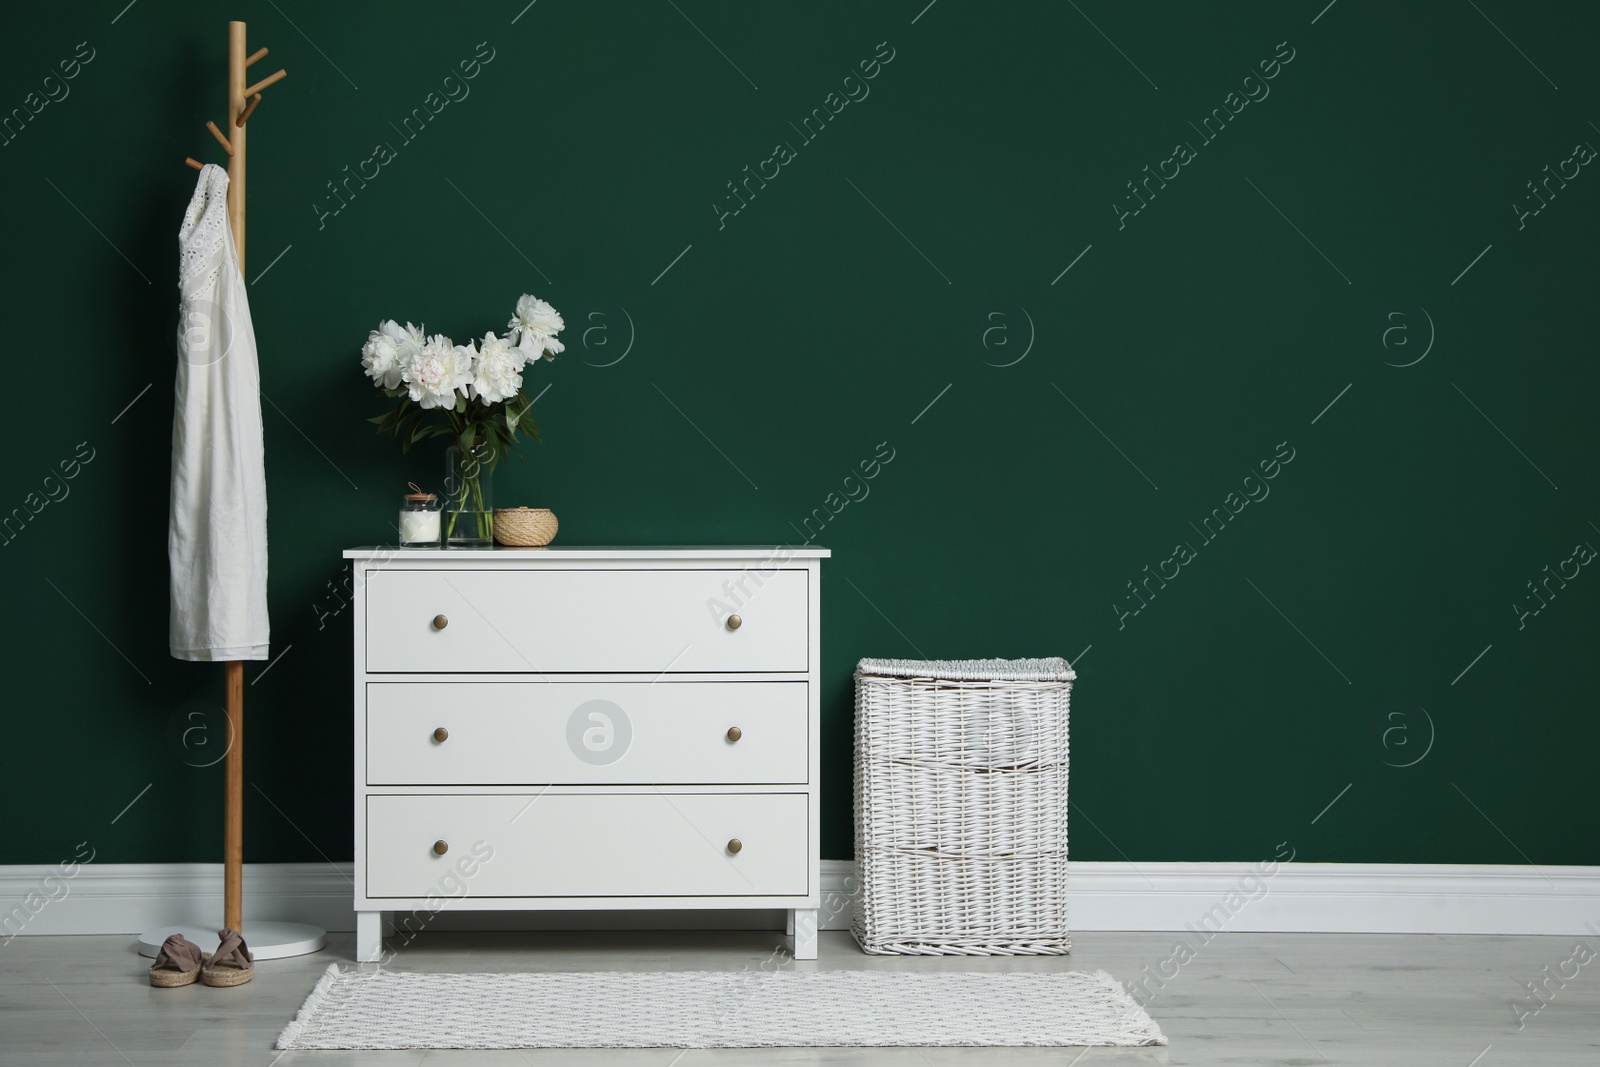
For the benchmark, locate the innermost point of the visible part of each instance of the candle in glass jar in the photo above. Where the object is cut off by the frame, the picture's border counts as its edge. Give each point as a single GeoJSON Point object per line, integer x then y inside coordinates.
{"type": "Point", "coordinates": [419, 517]}
{"type": "Point", "coordinates": [419, 527]}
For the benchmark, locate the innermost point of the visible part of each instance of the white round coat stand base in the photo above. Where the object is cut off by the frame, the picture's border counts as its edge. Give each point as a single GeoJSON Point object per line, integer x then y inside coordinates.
{"type": "Point", "coordinates": [266, 940]}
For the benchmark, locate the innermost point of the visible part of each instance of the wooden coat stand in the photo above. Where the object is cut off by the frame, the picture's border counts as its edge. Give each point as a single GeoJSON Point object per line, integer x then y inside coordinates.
{"type": "Point", "coordinates": [275, 939]}
{"type": "Point", "coordinates": [239, 112]}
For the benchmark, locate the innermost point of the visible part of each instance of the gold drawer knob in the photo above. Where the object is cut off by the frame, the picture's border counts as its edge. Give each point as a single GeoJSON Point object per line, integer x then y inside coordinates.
{"type": "Point", "coordinates": [734, 733]}
{"type": "Point", "coordinates": [441, 735]}
{"type": "Point", "coordinates": [735, 845]}
{"type": "Point", "coordinates": [734, 622]}
{"type": "Point", "coordinates": [441, 847]}
{"type": "Point", "coordinates": [440, 622]}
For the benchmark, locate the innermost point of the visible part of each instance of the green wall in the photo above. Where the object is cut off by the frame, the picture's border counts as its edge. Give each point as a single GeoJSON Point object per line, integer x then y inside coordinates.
{"type": "Point", "coordinates": [1317, 642]}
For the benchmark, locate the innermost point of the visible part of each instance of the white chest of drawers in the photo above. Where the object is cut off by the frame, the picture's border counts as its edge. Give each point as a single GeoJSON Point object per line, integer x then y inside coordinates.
{"type": "Point", "coordinates": [585, 729]}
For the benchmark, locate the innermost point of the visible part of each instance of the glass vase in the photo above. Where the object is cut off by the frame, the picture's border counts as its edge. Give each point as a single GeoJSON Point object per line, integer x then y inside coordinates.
{"type": "Point", "coordinates": [468, 498]}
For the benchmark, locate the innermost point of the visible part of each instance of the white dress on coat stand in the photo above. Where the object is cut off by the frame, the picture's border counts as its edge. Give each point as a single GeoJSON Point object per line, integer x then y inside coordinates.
{"type": "Point", "coordinates": [217, 537]}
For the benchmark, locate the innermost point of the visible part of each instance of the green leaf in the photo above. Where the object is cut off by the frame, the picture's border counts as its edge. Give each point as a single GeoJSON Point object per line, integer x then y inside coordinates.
{"type": "Point", "coordinates": [386, 423]}
{"type": "Point", "coordinates": [461, 403]}
{"type": "Point", "coordinates": [409, 433]}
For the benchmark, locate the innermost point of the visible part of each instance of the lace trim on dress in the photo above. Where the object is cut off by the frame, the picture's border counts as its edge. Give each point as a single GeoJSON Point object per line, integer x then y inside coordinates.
{"type": "Point", "coordinates": [205, 224]}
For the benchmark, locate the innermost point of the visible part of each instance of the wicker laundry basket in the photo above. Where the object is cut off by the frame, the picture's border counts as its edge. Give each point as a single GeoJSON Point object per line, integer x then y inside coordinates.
{"type": "Point", "coordinates": [961, 806]}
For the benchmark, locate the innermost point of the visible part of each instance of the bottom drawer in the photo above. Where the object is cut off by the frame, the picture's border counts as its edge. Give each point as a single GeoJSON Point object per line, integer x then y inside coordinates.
{"type": "Point", "coordinates": [589, 845]}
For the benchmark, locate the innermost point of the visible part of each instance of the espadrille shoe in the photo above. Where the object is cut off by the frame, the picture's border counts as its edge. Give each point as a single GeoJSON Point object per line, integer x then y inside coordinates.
{"type": "Point", "coordinates": [231, 964]}
{"type": "Point", "coordinates": [178, 963]}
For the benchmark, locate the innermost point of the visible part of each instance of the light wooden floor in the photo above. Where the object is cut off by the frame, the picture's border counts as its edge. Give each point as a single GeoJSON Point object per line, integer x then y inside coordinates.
{"type": "Point", "coordinates": [1301, 999]}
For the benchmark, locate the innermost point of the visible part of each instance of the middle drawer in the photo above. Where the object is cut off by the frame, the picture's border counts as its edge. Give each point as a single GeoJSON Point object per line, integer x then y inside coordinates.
{"type": "Point", "coordinates": [583, 733]}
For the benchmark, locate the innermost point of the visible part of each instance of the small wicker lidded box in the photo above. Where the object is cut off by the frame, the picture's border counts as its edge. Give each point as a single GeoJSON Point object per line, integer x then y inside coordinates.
{"type": "Point", "coordinates": [524, 527]}
{"type": "Point", "coordinates": [961, 806]}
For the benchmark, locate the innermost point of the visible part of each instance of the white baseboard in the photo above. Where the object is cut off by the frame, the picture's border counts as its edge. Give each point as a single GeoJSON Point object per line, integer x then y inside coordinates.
{"type": "Point", "coordinates": [1388, 898]}
{"type": "Point", "coordinates": [130, 898]}
{"type": "Point", "coordinates": [1298, 898]}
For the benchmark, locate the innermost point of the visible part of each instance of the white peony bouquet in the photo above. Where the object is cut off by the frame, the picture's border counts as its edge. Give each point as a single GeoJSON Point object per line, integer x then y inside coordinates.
{"type": "Point", "coordinates": [476, 388]}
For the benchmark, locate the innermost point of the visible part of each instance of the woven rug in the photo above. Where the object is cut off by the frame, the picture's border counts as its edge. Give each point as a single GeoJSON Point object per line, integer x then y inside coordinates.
{"type": "Point", "coordinates": [389, 1010]}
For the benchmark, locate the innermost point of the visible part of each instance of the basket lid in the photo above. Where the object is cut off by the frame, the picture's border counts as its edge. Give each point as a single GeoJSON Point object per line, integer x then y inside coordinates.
{"type": "Point", "coordinates": [1052, 669]}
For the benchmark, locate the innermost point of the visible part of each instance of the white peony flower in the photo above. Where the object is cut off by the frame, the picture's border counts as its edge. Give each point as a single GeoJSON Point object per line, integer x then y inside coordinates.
{"type": "Point", "coordinates": [553, 348]}
{"type": "Point", "coordinates": [410, 342]}
{"type": "Point", "coordinates": [436, 370]}
{"type": "Point", "coordinates": [534, 326]}
{"type": "Point", "coordinates": [387, 351]}
{"type": "Point", "coordinates": [497, 369]}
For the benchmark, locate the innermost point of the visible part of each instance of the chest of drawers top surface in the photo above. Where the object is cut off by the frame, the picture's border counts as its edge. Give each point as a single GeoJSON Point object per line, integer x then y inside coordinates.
{"type": "Point", "coordinates": [774, 554]}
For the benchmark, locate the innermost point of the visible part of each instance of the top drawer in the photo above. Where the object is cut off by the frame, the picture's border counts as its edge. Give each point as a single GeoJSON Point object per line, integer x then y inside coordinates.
{"type": "Point", "coordinates": [521, 621]}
